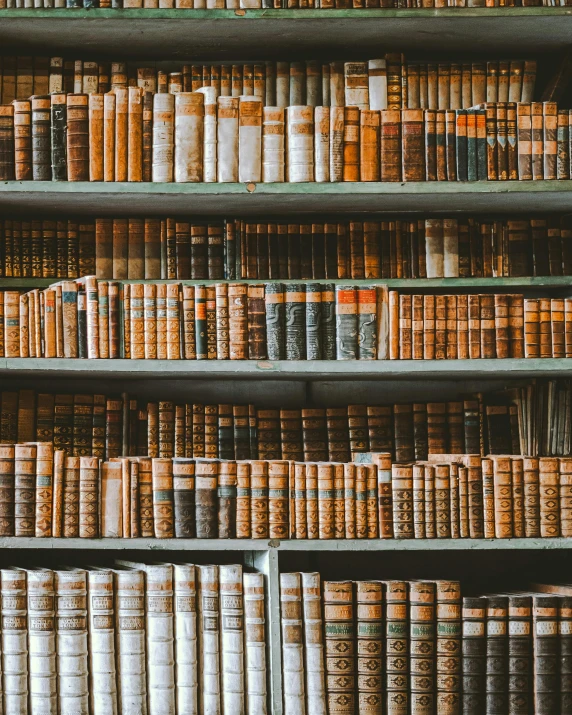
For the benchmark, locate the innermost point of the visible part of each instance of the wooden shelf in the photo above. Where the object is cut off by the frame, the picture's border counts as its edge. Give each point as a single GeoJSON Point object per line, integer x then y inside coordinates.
{"type": "Point", "coordinates": [251, 34]}
{"type": "Point", "coordinates": [291, 545]}
{"type": "Point", "coordinates": [410, 284]}
{"type": "Point", "coordinates": [449, 198]}
{"type": "Point", "coordinates": [306, 370]}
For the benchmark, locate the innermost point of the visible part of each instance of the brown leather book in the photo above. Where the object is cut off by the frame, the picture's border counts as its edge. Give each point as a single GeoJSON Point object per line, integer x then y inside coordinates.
{"type": "Point", "coordinates": [351, 146]}
{"type": "Point", "coordinates": [413, 149]}
{"type": "Point", "coordinates": [96, 139]}
{"type": "Point", "coordinates": [206, 498]}
{"type": "Point", "coordinates": [390, 142]}
{"type": "Point", "coordinates": [487, 306]}
{"type": "Point", "coordinates": [226, 498]}
{"type": "Point", "coordinates": [135, 135]}
{"type": "Point", "coordinates": [163, 507]}
{"type": "Point", "coordinates": [7, 156]}
{"type": "Point", "coordinates": [340, 648]}
{"type": "Point", "coordinates": [78, 137]}
{"type": "Point", "coordinates": [89, 479]}
{"type": "Point", "coordinates": [184, 497]}
{"type": "Point", "coordinates": [23, 140]}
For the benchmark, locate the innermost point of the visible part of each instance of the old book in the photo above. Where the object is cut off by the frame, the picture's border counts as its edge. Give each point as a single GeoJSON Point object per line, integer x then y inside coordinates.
{"type": "Point", "coordinates": [397, 648]}
{"type": "Point", "coordinates": [339, 641]}
{"type": "Point", "coordinates": [250, 139]}
{"type": "Point", "coordinates": [449, 649]}
{"type": "Point", "coordinates": [232, 637]}
{"type": "Point", "coordinates": [101, 629]}
{"type": "Point", "coordinates": [24, 489]}
{"type": "Point", "coordinates": [255, 643]}
{"type": "Point", "coordinates": [43, 691]}
{"type": "Point", "coordinates": [422, 644]}
{"type": "Point", "coordinates": [545, 653]}
{"type": "Point", "coordinates": [14, 639]}
{"type": "Point", "coordinates": [77, 137]}
{"type": "Point", "coordinates": [7, 155]}
{"type": "Point", "coordinates": [474, 655]}
{"type": "Point", "coordinates": [40, 138]}
{"type": "Point", "coordinates": [167, 122]}
{"type": "Point", "coordinates": [292, 643]}
{"type": "Point", "coordinates": [23, 140]}
{"type": "Point", "coordinates": [209, 637]}
{"type": "Point", "coordinates": [185, 637]}
{"type": "Point", "coordinates": [131, 639]}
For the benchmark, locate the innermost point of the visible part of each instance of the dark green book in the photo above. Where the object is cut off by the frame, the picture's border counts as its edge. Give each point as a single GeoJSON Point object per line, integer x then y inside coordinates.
{"type": "Point", "coordinates": [346, 323]}
{"type": "Point", "coordinates": [482, 174]}
{"type": "Point", "coordinates": [367, 322]}
{"type": "Point", "coordinates": [328, 321]}
{"type": "Point", "coordinates": [295, 313]}
{"type": "Point", "coordinates": [201, 321]}
{"type": "Point", "coordinates": [275, 321]}
{"type": "Point", "coordinates": [472, 145]}
{"type": "Point", "coordinates": [313, 321]}
{"type": "Point", "coordinates": [461, 144]}
{"type": "Point", "coordinates": [59, 138]}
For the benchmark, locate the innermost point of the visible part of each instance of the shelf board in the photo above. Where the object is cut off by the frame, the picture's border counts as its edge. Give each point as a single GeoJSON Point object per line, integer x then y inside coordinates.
{"type": "Point", "coordinates": [308, 370]}
{"type": "Point", "coordinates": [148, 199]}
{"type": "Point", "coordinates": [413, 284]}
{"type": "Point", "coordinates": [292, 545]}
{"type": "Point", "coordinates": [251, 34]}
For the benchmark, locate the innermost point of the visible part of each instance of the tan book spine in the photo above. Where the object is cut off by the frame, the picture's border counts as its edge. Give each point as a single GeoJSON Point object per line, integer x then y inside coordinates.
{"type": "Point", "coordinates": [301, 517]}
{"type": "Point", "coordinates": [549, 492]}
{"type": "Point", "coordinates": [361, 501]}
{"type": "Point", "coordinates": [350, 500]}
{"type": "Point", "coordinates": [419, 501]}
{"type": "Point", "coordinates": [451, 318]}
{"type": "Point", "coordinates": [250, 139]}
{"type": "Point", "coordinates": [278, 474]}
{"type": "Point", "coordinates": [164, 130]}
{"type": "Point", "coordinates": [243, 501]}
{"type": "Point", "coordinates": [259, 499]}
{"type": "Point", "coordinates": [568, 326]}
{"type": "Point", "coordinates": [531, 328]}
{"type": "Point", "coordinates": [135, 134]}
{"type": "Point", "coordinates": [531, 497]}
{"type": "Point", "coordinates": [443, 501]}
{"type": "Point", "coordinates": [292, 643]}
{"type": "Point", "coordinates": [227, 138]}
{"type": "Point", "coordinates": [238, 321]}
{"type": "Point", "coordinates": [273, 146]}
{"type": "Point", "coordinates": [487, 303]}
{"type": "Point", "coordinates": [121, 133]}
{"type": "Point", "coordinates": [163, 506]}
{"type": "Point", "coordinates": [189, 336]}
{"type": "Point", "coordinates": [161, 315]}
{"type": "Point", "coordinates": [488, 498]}
{"type": "Point", "coordinates": [322, 144]}
{"type": "Point", "coordinates": [44, 489]}
{"type": "Point", "coordinates": [24, 489]}
{"type": "Point", "coordinates": [23, 139]}
{"type": "Point", "coordinates": [502, 342]}
{"type": "Point", "coordinates": [463, 503]}
{"type": "Point", "coordinates": [312, 512]}
{"type": "Point", "coordinates": [557, 325]}
{"type": "Point", "coordinates": [337, 143]}
{"type": "Point", "coordinates": [545, 328]}
{"type": "Point", "coordinates": [71, 497]}
{"type": "Point", "coordinates": [58, 493]}
{"type": "Point", "coordinates": [475, 495]}
{"type": "Point", "coordinates": [369, 146]}
{"type": "Point", "coordinates": [109, 137]}
{"type": "Point", "coordinates": [351, 146]}
{"type": "Point", "coordinates": [340, 673]}
{"type": "Point", "coordinates": [369, 646]}
{"type": "Point", "coordinates": [517, 476]}
{"type": "Point", "coordinates": [440, 327]}
{"type": "Point", "coordinates": [394, 325]}
{"type": "Point", "coordinates": [502, 481]}
{"type": "Point", "coordinates": [405, 323]}
{"type": "Point", "coordinates": [516, 325]}
{"type": "Point", "coordinates": [96, 137]}
{"type": "Point", "coordinates": [402, 497]}
{"type": "Point", "coordinates": [89, 497]}
{"type": "Point", "coordinates": [565, 497]}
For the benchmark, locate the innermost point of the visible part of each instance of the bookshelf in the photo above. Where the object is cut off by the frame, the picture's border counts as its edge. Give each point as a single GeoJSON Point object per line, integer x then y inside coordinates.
{"type": "Point", "coordinates": [220, 35]}
{"type": "Point", "coordinates": [445, 197]}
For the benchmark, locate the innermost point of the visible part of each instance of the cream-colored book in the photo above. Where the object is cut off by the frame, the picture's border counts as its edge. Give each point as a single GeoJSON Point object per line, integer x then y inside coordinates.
{"type": "Point", "coordinates": [313, 644]}
{"type": "Point", "coordinates": [255, 643]}
{"type": "Point", "coordinates": [130, 625]}
{"type": "Point", "coordinates": [14, 640]}
{"type": "Point", "coordinates": [209, 640]}
{"type": "Point", "coordinates": [337, 85]}
{"type": "Point", "coordinates": [292, 644]}
{"type": "Point", "coordinates": [189, 133]}
{"type": "Point", "coordinates": [282, 84]}
{"type": "Point", "coordinates": [356, 84]}
{"type": "Point", "coordinates": [209, 134]}
{"type": "Point", "coordinates": [313, 83]}
{"type": "Point", "coordinates": [187, 673]}
{"type": "Point", "coordinates": [163, 137]}
{"type": "Point", "coordinates": [71, 642]}
{"type": "Point", "coordinates": [227, 137]}
{"type": "Point", "coordinates": [450, 248]}
{"type": "Point", "coordinates": [272, 144]}
{"type": "Point", "coordinates": [250, 139]}
{"type": "Point", "coordinates": [42, 642]}
{"type": "Point", "coordinates": [300, 128]}
{"type": "Point", "coordinates": [322, 144]}
{"type": "Point", "coordinates": [434, 248]}
{"type": "Point", "coordinates": [232, 639]}
{"type": "Point", "coordinates": [336, 143]}
{"type": "Point", "coordinates": [377, 81]}
{"type": "Point", "coordinates": [101, 617]}
{"type": "Point", "coordinates": [111, 522]}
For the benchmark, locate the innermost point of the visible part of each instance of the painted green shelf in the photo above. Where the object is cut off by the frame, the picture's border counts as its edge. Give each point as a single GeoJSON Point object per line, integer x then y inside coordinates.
{"type": "Point", "coordinates": [307, 370]}
{"type": "Point", "coordinates": [147, 199]}
{"type": "Point", "coordinates": [414, 284]}
{"type": "Point", "coordinates": [250, 34]}
{"type": "Point", "coordinates": [289, 545]}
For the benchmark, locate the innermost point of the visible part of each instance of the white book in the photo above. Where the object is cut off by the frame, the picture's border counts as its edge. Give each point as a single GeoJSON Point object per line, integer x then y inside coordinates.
{"type": "Point", "coordinates": [336, 143]}
{"type": "Point", "coordinates": [250, 139]}
{"type": "Point", "coordinates": [111, 523]}
{"type": "Point", "coordinates": [232, 639]}
{"type": "Point", "coordinates": [209, 640]}
{"type": "Point", "coordinates": [210, 134]}
{"type": "Point", "coordinates": [450, 248]}
{"type": "Point", "coordinates": [255, 643]}
{"type": "Point", "coordinates": [273, 144]}
{"type": "Point", "coordinates": [163, 137]}
{"type": "Point", "coordinates": [56, 79]}
{"type": "Point", "coordinates": [300, 120]}
{"type": "Point", "coordinates": [314, 644]}
{"type": "Point", "coordinates": [337, 86]}
{"type": "Point", "coordinates": [103, 673]}
{"type": "Point", "coordinates": [14, 640]}
{"type": "Point", "coordinates": [42, 643]}
{"type": "Point", "coordinates": [377, 76]}
{"type": "Point", "coordinates": [189, 132]}
{"type": "Point", "coordinates": [160, 639]}
{"type": "Point", "coordinates": [292, 644]}
{"type": "Point", "coordinates": [434, 248]}
{"type": "Point", "coordinates": [227, 136]}
{"type": "Point", "coordinates": [356, 84]}
{"type": "Point", "coordinates": [282, 84]}
{"type": "Point", "coordinates": [322, 144]}
{"type": "Point", "coordinates": [186, 675]}
{"type": "Point", "coordinates": [71, 642]}
{"type": "Point", "coordinates": [130, 625]}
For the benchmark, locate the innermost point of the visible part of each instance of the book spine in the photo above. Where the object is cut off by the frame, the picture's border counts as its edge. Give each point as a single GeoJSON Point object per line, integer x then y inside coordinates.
{"type": "Point", "coordinates": [205, 499]}
{"type": "Point", "coordinates": [474, 655]}
{"type": "Point", "coordinates": [77, 137]}
{"type": "Point", "coordinates": [295, 312]}
{"type": "Point", "coordinates": [163, 506]}
{"type": "Point", "coordinates": [422, 646]}
{"type": "Point", "coordinates": [44, 489]}
{"type": "Point", "coordinates": [43, 695]}
{"type": "Point", "coordinates": [101, 612]}
{"type": "Point", "coordinates": [545, 653]}
{"type": "Point", "coordinates": [255, 643]}
{"type": "Point", "coordinates": [185, 623]}
{"type": "Point", "coordinates": [169, 120]}
{"type": "Point", "coordinates": [7, 152]}
{"type": "Point", "coordinates": [549, 494]}
{"type": "Point", "coordinates": [23, 140]}
{"type": "Point", "coordinates": [131, 640]}
{"type": "Point", "coordinates": [226, 493]}
{"type": "Point", "coordinates": [14, 640]}
{"type": "Point", "coordinates": [396, 649]}
{"type": "Point", "coordinates": [24, 489]}
{"type": "Point", "coordinates": [339, 638]}
{"type": "Point", "coordinates": [41, 144]}
{"type": "Point", "coordinates": [96, 139]}
{"type": "Point", "coordinates": [209, 637]}
{"type": "Point", "coordinates": [402, 498]}
{"type": "Point", "coordinates": [292, 643]}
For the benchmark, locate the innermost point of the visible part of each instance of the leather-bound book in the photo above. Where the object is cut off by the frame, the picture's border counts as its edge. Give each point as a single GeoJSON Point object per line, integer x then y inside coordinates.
{"type": "Point", "coordinates": [40, 135]}
{"type": "Point", "coordinates": [23, 139]}
{"type": "Point", "coordinates": [451, 145]}
{"type": "Point", "coordinates": [474, 656]}
{"type": "Point", "coordinates": [328, 322]}
{"type": "Point", "coordinates": [565, 616]}
{"type": "Point", "coordinates": [449, 649]}
{"type": "Point", "coordinates": [313, 321]}
{"type": "Point", "coordinates": [147, 137]}
{"type": "Point", "coordinates": [390, 143]}
{"type": "Point", "coordinates": [43, 695]}
{"type": "Point", "coordinates": [278, 477]}
{"type": "Point", "coordinates": [397, 648]}
{"type": "Point", "coordinates": [184, 497]}
{"type": "Point", "coordinates": [413, 150]}
{"type": "Point", "coordinates": [78, 137]}
{"type": "Point", "coordinates": [340, 646]}
{"type": "Point", "coordinates": [502, 142]}
{"type": "Point", "coordinates": [430, 145]}
{"type": "Point", "coordinates": [443, 501]}
{"type": "Point", "coordinates": [419, 501]}
{"type": "Point", "coordinates": [7, 156]}
{"type": "Point", "coordinates": [89, 468]}
{"type": "Point", "coordinates": [422, 646]}
{"type": "Point", "coordinates": [549, 494]}
{"type": "Point", "coordinates": [226, 500]}
{"type": "Point", "coordinates": [496, 655]}
{"type": "Point", "coordinates": [256, 323]}
{"type": "Point", "coordinates": [259, 499]}
{"type": "Point", "coordinates": [268, 424]}
{"type": "Point", "coordinates": [537, 146]}
{"type": "Point", "coordinates": [292, 643]}
{"type": "Point", "coordinates": [402, 497]}
{"type": "Point", "coordinates": [163, 508]}
{"type": "Point", "coordinates": [295, 310]}
{"type": "Point", "coordinates": [545, 663]}
{"type": "Point", "coordinates": [275, 321]}
{"type": "Point", "coordinates": [550, 139]}
{"type": "Point", "coordinates": [7, 483]}
{"type": "Point", "coordinates": [314, 434]}
{"type": "Point", "coordinates": [519, 653]}
{"type": "Point", "coordinates": [346, 323]}
{"type": "Point", "coordinates": [206, 498]}
{"type": "Point", "coordinates": [24, 489]}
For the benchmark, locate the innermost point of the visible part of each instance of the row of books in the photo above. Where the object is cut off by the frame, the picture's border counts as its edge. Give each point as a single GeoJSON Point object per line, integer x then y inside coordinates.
{"type": "Point", "coordinates": [275, 4]}
{"type": "Point", "coordinates": [45, 493]}
{"type": "Point", "coordinates": [130, 135]}
{"type": "Point", "coordinates": [153, 248]}
{"type": "Point", "coordinates": [112, 426]}
{"type": "Point", "coordinates": [420, 647]}
{"type": "Point", "coordinates": [277, 321]}
{"type": "Point", "coordinates": [134, 638]}
{"type": "Point", "coordinates": [388, 83]}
